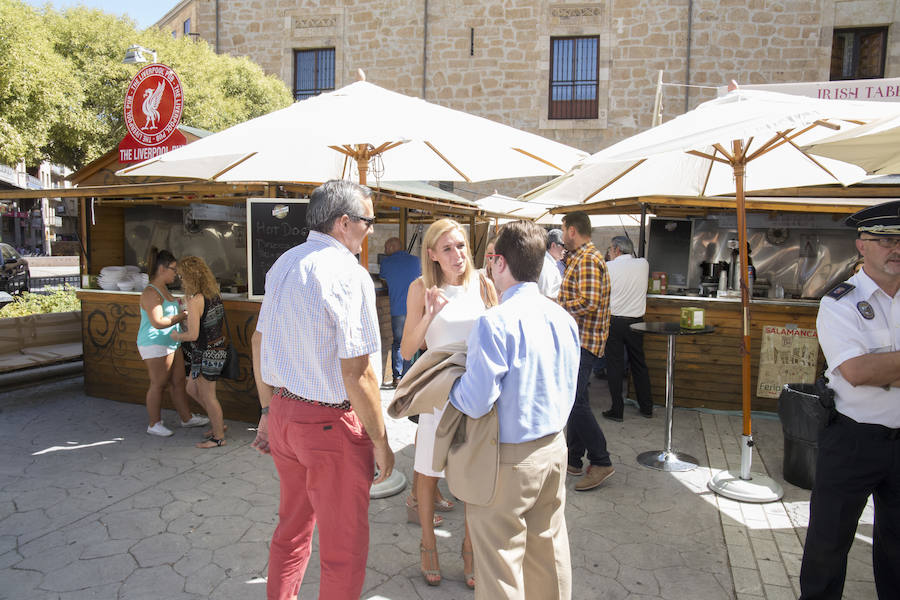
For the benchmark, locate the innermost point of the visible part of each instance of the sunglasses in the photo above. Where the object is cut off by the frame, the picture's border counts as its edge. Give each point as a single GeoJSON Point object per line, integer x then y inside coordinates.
{"type": "Point", "coordinates": [367, 220]}
{"type": "Point", "coordinates": [888, 243]}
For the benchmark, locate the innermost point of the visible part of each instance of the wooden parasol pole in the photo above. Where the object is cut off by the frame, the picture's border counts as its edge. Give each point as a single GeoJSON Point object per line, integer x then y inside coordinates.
{"type": "Point", "coordinates": [362, 164]}
{"type": "Point", "coordinates": [739, 164]}
{"type": "Point", "coordinates": [743, 485]}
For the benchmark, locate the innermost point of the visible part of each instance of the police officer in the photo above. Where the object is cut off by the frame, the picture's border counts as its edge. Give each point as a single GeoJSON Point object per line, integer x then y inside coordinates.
{"type": "Point", "coordinates": [859, 451]}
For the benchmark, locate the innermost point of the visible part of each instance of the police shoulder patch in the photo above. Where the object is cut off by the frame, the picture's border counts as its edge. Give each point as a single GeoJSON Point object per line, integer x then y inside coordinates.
{"type": "Point", "coordinates": [840, 290]}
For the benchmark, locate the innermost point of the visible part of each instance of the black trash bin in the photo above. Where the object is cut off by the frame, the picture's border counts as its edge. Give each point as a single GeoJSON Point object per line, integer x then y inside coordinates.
{"type": "Point", "coordinates": [803, 415]}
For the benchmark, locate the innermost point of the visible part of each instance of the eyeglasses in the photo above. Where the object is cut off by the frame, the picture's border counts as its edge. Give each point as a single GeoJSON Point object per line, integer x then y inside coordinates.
{"type": "Point", "coordinates": [491, 257]}
{"type": "Point", "coordinates": [367, 220]}
{"type": "Point", "coordinates": [888, 243]}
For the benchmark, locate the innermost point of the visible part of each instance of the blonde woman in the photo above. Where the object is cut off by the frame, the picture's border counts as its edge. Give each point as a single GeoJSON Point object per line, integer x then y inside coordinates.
{"type": "Point", "coordinates": [441, 308]}
{"type": "Point", "coordinates": [204, 342]}
{"type": "Point", "coordinates": [160, 316]}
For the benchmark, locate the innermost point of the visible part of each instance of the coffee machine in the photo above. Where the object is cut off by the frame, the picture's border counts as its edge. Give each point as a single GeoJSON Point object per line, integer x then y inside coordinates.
{"type": "Point", "coordinates": [709, 276]}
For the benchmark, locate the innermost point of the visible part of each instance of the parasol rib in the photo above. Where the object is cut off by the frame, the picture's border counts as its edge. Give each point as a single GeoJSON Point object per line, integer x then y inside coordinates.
{"type": "Point", "coordinates": [711, 157]}
{"type": "Point", "coordinates": [779, 139]}
{"type": "Point", "coordinates": [232, 165]}
{"type": "Point", "coordinates": [385, 147]}
{"type": "Point", "coordinates": [615, 179]}
{"type": "Point", "coordinates": [344, 150]}
{"type": "Point", "coordinates": [708, 174]}
{"type": "Point", "coordinates": [452, 166]}
{"type": "Point", "coordinates": [732, 158]}
{"type": "Point", "coordinates": [814, 161]}
{"type": "Point", "coordinates": [539, 159]}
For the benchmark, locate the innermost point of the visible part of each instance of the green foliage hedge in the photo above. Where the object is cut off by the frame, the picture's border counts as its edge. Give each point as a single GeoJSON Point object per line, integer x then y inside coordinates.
{"type": "Point", "coordinates": [58, 300]}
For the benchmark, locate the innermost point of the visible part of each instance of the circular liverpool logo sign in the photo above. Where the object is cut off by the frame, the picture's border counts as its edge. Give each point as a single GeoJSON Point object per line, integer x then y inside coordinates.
{"type": "Point", "coordinates": [153, 104]}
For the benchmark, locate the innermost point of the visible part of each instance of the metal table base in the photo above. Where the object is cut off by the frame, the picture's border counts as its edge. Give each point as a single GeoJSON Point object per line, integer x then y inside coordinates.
{"type": "Point", "coordinates": [668, 459]}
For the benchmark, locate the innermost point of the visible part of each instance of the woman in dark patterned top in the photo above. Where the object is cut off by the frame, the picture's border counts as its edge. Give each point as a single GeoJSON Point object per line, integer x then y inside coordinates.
{"type": "Point", "coordinates": [203, 342]}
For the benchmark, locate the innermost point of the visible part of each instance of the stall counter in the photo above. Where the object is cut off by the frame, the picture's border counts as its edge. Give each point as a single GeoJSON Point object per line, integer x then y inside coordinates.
{"type": "Point", "coordinates": [113, 368]}
{"type": "Point", "coordinates": [709, 366]}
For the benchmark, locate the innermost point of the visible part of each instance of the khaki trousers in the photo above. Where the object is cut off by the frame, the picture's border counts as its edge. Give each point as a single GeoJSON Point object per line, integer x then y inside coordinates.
{"type": "Point", "coordinates": [520, 541]}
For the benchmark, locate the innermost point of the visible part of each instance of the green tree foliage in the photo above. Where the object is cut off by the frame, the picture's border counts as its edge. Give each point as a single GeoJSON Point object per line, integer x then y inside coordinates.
{"type": "Point", "coordinates": [37, 89]}
{"type": "Point", "coordinates": [62, 82]}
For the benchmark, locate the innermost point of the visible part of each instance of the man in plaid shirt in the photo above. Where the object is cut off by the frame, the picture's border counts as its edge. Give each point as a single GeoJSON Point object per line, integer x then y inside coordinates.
{"type": "Point", "coordinates": [585, 294]}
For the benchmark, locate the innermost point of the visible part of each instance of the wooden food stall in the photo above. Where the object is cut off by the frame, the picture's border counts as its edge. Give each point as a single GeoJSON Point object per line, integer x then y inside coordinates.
{"type": "Point", "coordinates": [122, 217]}
{"type": "Point", "coordinates": [795, 236]}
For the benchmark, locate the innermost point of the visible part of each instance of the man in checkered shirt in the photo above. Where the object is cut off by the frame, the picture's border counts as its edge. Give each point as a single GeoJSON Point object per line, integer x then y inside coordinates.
{"type": "Point", "coordinates": [584, 292]}
{"type": "Point", "coordinates": [316, 351]}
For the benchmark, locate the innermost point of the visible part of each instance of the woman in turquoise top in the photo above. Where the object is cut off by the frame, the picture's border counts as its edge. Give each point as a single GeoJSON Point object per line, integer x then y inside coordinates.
{"type": "Point", "coordinates": [160, 316]}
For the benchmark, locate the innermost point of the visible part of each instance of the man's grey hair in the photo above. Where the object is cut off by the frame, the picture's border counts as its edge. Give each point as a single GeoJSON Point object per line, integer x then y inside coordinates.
{"type": "Point", "coordinates": [554, 236]}
{"type": "Point", "coordinates": [623, 244]}
{"type": "Point", "coordinates": [333, 199]}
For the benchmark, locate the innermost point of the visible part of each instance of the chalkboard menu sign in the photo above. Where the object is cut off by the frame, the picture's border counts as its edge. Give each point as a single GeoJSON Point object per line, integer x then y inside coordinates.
{"type": "Point", "coordinates": [274, 225]}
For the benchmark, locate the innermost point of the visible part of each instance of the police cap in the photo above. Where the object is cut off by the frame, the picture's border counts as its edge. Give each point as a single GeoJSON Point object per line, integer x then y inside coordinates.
{"type": "Point", "coordinates": [881, 219]}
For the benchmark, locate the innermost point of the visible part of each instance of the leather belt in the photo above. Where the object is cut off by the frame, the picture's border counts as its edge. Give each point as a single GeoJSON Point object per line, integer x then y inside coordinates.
{"type": "Point", "coordinates": [881, 431]}
{"type": "Point", "coordinates": [285, 393]}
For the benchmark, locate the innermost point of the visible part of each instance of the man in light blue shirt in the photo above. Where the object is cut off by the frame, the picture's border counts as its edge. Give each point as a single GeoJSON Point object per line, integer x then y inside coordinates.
{"type": "Point", "coordinates": [523, 358]}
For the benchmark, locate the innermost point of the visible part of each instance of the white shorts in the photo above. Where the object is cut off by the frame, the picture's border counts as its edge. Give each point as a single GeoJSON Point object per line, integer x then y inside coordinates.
{"type": "Point", "coordinates": [428, 424]}
{"type": "Point", "coordinates": [155, 351]}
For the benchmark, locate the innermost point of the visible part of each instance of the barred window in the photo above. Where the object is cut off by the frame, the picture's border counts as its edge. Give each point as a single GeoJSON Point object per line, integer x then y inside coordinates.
{"type": "Point", "coordinates": [574, 77]}
{"type": "Point", "coordinates": [858, 53]}
{"type": "Point", "coordinates": [313, 72]}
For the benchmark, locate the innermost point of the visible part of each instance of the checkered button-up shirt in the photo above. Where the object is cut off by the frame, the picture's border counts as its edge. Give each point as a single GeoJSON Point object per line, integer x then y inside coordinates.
{"type": "Point", "coordinates": [585, 294]}
{"type": "Point", "coordinates": [319, 308]}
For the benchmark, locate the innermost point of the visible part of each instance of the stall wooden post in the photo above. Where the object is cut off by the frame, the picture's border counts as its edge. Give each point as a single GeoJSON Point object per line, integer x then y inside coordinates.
{"type": "Point", "coordinates": [404, 215]}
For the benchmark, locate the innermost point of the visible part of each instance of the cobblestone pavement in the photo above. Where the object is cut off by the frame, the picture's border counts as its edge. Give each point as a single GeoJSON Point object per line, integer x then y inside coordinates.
{"type": "Point", "coordinates": [93, 508]}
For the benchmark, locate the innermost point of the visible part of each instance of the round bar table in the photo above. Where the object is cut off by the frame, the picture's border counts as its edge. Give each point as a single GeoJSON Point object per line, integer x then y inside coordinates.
{"type": "Point", "coordinates": [667, 459]}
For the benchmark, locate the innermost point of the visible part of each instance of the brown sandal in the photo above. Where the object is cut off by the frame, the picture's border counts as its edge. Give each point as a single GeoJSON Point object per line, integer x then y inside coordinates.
{"type": "Point", "coordinates": [433, 574]}
{"type": "Point", "coordinates": [215, 443]}
{"type": "Point", "coordinates": [443, 505]}
{"type": "Point", "coordinates": [412, 513]}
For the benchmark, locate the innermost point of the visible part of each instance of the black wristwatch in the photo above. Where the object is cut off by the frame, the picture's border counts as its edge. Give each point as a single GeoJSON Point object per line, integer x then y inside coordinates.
{"type": "Point", "coordinates": [264, 410]}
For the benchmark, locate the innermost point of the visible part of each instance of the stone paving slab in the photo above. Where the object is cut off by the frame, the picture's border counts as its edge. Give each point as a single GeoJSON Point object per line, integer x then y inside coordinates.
{"type": "Point", "coordinates": [92, 507]}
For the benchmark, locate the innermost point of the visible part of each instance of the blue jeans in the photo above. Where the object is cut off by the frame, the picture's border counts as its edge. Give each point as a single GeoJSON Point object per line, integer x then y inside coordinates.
{"type": "Point", "coordinates": [398, 365]}
{"type": "Point", "coordinates": [583, 431]}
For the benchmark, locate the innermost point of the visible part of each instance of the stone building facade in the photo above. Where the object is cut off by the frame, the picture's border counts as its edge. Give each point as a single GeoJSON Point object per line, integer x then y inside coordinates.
{"type": "Point", "coordinates": [493, 57]}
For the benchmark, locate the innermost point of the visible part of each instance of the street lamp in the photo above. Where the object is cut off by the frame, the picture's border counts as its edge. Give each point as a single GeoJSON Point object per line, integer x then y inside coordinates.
{"type": "Point", "coordinates": [135, 54]}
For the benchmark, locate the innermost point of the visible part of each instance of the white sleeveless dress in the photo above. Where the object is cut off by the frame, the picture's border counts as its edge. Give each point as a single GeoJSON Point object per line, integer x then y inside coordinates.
{"type": "Point", "coordinates": [452, 325]}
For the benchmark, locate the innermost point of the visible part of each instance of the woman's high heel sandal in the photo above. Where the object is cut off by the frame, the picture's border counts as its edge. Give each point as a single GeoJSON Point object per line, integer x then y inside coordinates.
{"type": "Point", "coordinates": [470, 576]}
{"type": "Point", "coordinates": [443, 505]}
{"type": "Point", "coordinates": [412, 513]}
{"type": "Point", "coordinates": [431, 576]}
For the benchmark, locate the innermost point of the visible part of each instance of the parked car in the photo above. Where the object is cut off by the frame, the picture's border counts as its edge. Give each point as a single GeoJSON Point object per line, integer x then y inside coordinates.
{"type": "Point", "coordinates": [14, 274]}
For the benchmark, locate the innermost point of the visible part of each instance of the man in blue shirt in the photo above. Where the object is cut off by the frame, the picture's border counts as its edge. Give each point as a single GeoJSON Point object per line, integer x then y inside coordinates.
{"type": "Point", "coordinates": [523, 358]}
{"type": "Point", "coordinates": [398, 269]}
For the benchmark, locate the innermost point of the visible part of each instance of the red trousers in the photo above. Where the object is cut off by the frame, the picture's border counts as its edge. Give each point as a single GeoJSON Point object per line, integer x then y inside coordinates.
{"type": "Point", "coordinates": [325, 462]}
